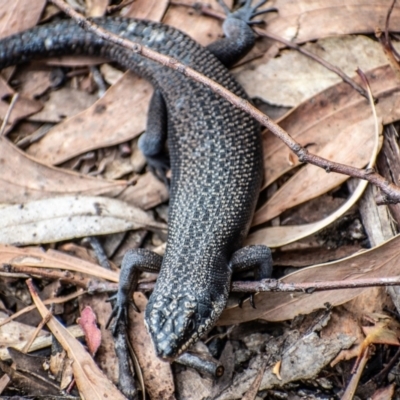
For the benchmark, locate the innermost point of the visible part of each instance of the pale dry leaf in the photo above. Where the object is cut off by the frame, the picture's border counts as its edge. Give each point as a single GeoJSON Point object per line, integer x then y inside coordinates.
{"type": "Point", "coordinates": [96, 8]}
{"type": "Point", "coordinates": [24, 179]}
{"type": "Point", "coordinates": [109, 121]}
{"type": "Point", "coordinates": [18, 15]}
{"type": "Point", "coordinates": [381, 261]}
{"type": "Point", "coordinates": [151, 10]}
{"type": "Point", "coordinates": [385, 393]}
{"type": "Point", "coordinates": [62, 218]}
{"type": "Point", "coordinates": [110, 74]}
{"type": "Point", "coordinates": [13, 333]}
{"type": "Point", "coordinates": [33, 82]}
{"type": "Point", "coordinates": [90, 380]}
{"type": "Point", "coordinates": [41, 341]}
{"type": "Point", "coordinates": [24, 107]}
{"type": "Point", "coordinates": [201, 28]}
{"type": "Point", "coordinates": [63, 103]}
{"type": "Point", "coordinates": [349, 117]}
{"type": "Point", "coordinates": [318, 120]}
{"type": "Point", "coordinates": [303, 21]}
{"type": "Point", "coordinates": [36, 257]}
{"type": "Point", "coordinates": [311, 181]}
{"type": "Point", "coordinates": [147, 193]}
{"type": "Point", "coordinates": [292, 77]}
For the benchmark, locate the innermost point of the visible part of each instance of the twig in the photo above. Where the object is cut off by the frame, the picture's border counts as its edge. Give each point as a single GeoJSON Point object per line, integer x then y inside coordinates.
{"type": "Point", "coordinates": [391, 191]}
{"type": "Point", "coordinates": [53, 300]}
{"type": "Point", "coordinates": [206, 10]}
{"type": "Point", "coordinates": [273, 285]}
{"type": "Point", "coordinates": [8, 114]}
{"type": "Point", "coordinates": [387, 37]}
{"type": "Point", "coordinates": [265, 285]}
{"type": "Point", "coordinates": [309, 54]}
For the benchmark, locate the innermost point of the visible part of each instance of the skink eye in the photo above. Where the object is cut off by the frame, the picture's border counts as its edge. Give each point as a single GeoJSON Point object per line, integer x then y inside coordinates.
{"type": "Point", "coordinates": [191, 325]}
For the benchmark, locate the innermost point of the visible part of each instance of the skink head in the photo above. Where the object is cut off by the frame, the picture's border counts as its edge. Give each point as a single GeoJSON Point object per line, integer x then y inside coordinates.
{"type": "Point", "coordinates": [177, 320]}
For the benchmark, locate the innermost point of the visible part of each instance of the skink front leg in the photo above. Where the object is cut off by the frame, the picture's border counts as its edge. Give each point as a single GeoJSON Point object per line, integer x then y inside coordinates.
{"type": "Point", "coordinates": [134, 262]}
{"type": "Point", "coordinates": [257, 258]}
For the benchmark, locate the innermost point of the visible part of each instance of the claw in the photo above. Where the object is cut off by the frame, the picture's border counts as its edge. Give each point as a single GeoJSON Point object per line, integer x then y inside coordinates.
{"type": "Point", "coordinates": [260, 4]}
{"type": "Point", "coordinates": [246, 12]}
{"type": "Point", "coordinates": [224, 6]}
{"type": "Point", "coordinates": [252, 301]}
{"type": "Point", "coordinates": [256, 22]}
{"type": "Point", "coordinates": [267, 10]}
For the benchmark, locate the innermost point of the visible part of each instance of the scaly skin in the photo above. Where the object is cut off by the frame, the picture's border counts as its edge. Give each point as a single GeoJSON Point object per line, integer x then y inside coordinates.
{"type": "Point", "coordinates": [216, 163]}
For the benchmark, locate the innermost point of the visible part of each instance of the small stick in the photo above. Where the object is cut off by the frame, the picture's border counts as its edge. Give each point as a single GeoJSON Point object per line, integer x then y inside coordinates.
{"type": "Point", "coordinates": [8, 114]}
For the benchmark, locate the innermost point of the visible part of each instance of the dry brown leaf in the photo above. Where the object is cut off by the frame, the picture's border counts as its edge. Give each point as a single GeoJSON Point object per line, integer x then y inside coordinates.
{"type": "Point", "coordinates": [105, 357]}
{"type": "Point", "coordinates": [303, 21]}
{"type": "Point", "coordinates": [36, 257]}
{"type": "Point", "coordinates": [157, 373]}
{"type": "Point", "coordinates": [18, 15]}
{"type": "Point", "coordinates": [90, 380]}
{"type": "Point", "coordinates": [152, 10]}
{"type": "Point", "coordinates": [96, 8]}
{"type": "Point", "coordinates": [311, 181]}
{"type": "Point", "coordinates": [381, 261]}
{"type": "Point", "coordinates": [87, 321]}
{"type": "Point", "coordinates": [24, 179]}
{"type": "Point", "coordinates": [292, 78]}
{"type": "Point", "coordinates": [384, 330]}
{"type": "Point", "coordinates": [339, 113]}
{"type": "Point", "coordinates": [13, 333]}
{"type": "Point", "coordinates": [33, 82]}
{"type": "Point", "coordinates": [317, 121]}
{"type": "Point", "coordinates": [64, 103]}
{"type": "Point", "coordinates": [23, 108]}
{"type": "Point", "coordinates": [202, 29]}
{"type": "Point", "coordinates": [107, 122]}
{"type": "Point", "coordinates": [68, 217]}
{"type": "Point", "coordinates": [385, 393]}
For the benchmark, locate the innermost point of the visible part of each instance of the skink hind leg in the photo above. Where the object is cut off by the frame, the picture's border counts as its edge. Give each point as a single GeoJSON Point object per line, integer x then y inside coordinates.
{"type": "Point", "coordinates": [239, 37]}
{"type": "Point", "coordinates": [152, 142]}
{"type": "Point", "coordinates": [133, 263]}
{"type": "Point", "coordinates": [258, 258]}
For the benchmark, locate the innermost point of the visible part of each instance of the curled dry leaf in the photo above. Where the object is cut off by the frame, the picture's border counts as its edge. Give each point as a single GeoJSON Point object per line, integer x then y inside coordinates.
{"type": "Point", "coordinates": [383, 260]}
{"type": "Point", "coordinates": [90, 380]}
{"type": "Point", "coordinates": [152, 10]}
{"type": "Point", "coordinates": [304, 20]}
{"type": "Point", "coordinates": [202, 29]}
{"type": "Point", "coordinates": [64, 103]}
{"type": "Point", "coordinates": [340, 117]}
{"type": "Point", "coordinates": [107, 122]}
{"type": "Point", "coordinates": [62, 218]}
{"type": "Point", "coordinates": [38, 181]}
{"type": "Point", "coordinates": [293, 78]}
{"type": "Point", "coordinates": [36, 257]}
{"type": "Point", "coordinates": [18, 15]}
